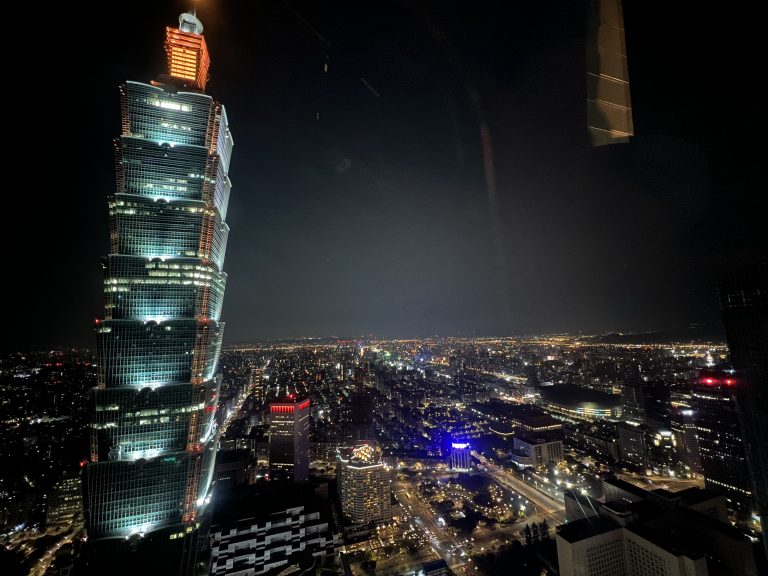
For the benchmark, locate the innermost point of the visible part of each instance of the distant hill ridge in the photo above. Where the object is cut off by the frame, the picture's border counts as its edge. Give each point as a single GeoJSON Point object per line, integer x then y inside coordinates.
{"type": "Point", "coordinates": [707, 334]}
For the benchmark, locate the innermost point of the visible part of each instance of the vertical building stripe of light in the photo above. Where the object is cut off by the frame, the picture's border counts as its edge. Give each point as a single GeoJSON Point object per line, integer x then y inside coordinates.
{"type": "Point", "coordinates": [153, 427]}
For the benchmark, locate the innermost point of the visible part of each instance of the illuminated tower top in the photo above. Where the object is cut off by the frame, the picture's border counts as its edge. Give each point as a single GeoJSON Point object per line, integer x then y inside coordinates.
{"type": "Point", "coordinates": [187, 53]}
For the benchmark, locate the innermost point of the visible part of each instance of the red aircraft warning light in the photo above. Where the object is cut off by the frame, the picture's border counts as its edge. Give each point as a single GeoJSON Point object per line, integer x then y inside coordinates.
{"type": "Point", "coordinates": [717, 379]}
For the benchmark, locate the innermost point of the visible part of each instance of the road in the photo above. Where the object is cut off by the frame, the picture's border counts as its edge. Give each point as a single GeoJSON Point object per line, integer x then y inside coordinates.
{"type": "Point", "coordinates": [441, 538]}
{"type": "Point", "coordinates": [49, 556]}
{"type": "Point", "coordinates": [31, 542]}
{"type": "Point", "coordinates": [235, 412]}
{"type": "Point", "coordinates": [543, 503]}
{"type": "Point", "coordinates": [395, 566]}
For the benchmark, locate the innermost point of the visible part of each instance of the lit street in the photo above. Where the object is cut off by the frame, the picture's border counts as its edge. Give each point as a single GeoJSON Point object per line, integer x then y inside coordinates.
{"type": "Point", "coordinates": [440, 537]}
{"type": "Point", "coordinates": [542, 503]}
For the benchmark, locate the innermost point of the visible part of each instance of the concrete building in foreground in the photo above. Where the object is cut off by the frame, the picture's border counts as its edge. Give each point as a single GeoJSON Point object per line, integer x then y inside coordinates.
{"type": "Point", "coordinates": [645, 533]}
{"type": "Point", "coordinates": [269, 528]}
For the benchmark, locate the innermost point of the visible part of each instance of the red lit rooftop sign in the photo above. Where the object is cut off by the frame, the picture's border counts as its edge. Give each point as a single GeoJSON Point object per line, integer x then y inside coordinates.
{"type": "Point", "coordinates": [288, 408]}
{"type": "Point", "coordinates": [281, 408]}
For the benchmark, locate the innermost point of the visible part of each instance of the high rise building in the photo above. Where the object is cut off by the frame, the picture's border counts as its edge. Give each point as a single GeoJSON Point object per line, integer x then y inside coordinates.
{"type": "Point", "coordinates": [633, 400]}
{"type": "Point", "coordinates": [537, 451]}
{"type": "Point", "coordinates": [687, 440]}
{"type": "Point", "coordinates": [361, 414]}
{"type": "Point", "coordinates": [744, 302]}
{"type": "Point", "coordinates": [289, 438]}
{"type": "Point", "coordinates": [65, 504]}
{"type": "Point", "coordinates": [363, 483]}
{"type": "Point", "coordinates": [153, 434]}
{"type": "Point", "coordinates": [460, 456]}
{"type": "Point", "coordinates": [723, 457]}
{"type": "Point", "coordinates": [663, 452]}
{"type": "Point", "coordinates": [258, 385]}
{"type": "Point", "coordinates": [609, 109]}
{"type": "Point", "coordinates": [633, 444]}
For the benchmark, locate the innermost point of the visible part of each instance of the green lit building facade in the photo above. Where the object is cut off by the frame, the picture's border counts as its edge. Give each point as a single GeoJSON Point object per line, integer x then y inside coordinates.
{"type": "Point", "coordinates": [153, 440]}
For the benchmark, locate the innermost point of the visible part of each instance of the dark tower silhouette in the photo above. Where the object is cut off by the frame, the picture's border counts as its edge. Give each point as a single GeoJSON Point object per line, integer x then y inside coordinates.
{"type": "Point", "coordinates": [744, 302]}
{"type": "Point", "coordinates": [723, 455]}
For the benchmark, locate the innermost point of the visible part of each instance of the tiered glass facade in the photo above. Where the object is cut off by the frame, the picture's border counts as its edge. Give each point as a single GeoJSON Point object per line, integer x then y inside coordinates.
{"type": "Point", "coordinates": [153, 440]}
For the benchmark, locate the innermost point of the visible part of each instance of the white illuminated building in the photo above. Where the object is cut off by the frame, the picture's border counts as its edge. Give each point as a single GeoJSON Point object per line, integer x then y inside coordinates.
{"type": "Point", "coordinates": [364, 484]}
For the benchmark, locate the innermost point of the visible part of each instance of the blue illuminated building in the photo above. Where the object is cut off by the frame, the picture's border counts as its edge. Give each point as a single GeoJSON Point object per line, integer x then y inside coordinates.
{"type": "Point", "coordinates": [152, 414]}
{"type": "Point", "coordinates": [460, 452]}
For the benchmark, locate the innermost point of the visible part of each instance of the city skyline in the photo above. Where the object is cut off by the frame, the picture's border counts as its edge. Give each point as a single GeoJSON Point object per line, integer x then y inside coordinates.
{"type": "Point", "coordinates": [525, 450]}
{"type": "Point", "coordinates": [496, 291]}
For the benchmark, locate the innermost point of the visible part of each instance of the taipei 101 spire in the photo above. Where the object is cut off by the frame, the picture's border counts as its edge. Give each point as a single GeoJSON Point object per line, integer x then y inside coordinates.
{"type": "Point", "coordinates": [187, 53]}
{"type": "Point", "coordinates": [153, 430]}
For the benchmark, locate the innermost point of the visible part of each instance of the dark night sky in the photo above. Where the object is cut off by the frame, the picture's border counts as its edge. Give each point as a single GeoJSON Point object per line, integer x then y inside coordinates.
{"type": "Point", "coordinates": [377, 218]}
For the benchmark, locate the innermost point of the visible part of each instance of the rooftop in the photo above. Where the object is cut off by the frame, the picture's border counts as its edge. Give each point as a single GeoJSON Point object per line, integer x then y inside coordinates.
{"type": "Point", "coordinates": [236, 455]}
{"type": "Point", "coordinates": [587, 528]}
{"type": "Point", "coordinates": [572, 395]}
{"type": "Point", "coordinates": [535, 437]}
{"type": "Point", "coordinates": [670, 535]}
{"type": "Point", "coordinates": [260, 501]}
{"type": "Point", "coordinates": [535, 421]}
{"type": "Point", "coordinates": [627, 487]}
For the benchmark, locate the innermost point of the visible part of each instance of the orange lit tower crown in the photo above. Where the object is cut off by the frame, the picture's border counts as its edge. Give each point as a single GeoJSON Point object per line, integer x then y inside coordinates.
{"type": "Point", "coordinates": [187, 54]}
